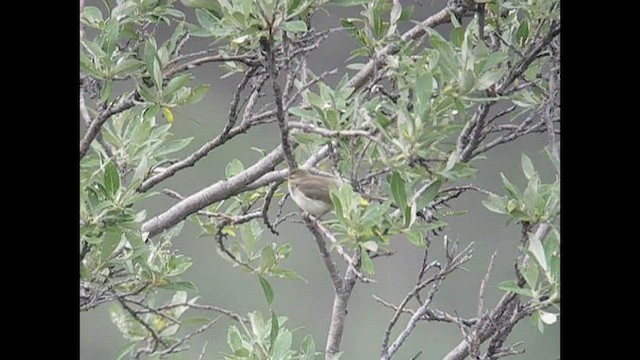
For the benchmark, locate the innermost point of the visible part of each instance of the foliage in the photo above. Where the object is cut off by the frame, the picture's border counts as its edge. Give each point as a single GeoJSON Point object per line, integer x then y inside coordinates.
{"type": "Point", "coordinates": [407, 139]}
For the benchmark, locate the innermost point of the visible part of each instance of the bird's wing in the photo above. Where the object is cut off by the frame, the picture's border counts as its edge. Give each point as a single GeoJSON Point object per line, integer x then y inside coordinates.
{"type": "Point", "coordinates": [317, 190]}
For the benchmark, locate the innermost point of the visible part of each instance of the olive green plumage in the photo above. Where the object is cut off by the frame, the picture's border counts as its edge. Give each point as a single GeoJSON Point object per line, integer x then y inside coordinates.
{"type": "Point", "coordinates": [311, 192]}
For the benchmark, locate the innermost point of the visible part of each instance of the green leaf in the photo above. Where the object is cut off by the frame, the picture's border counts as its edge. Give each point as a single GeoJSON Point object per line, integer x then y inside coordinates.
{"type": "Point", "coordinates": [275, 329]}
{"type": "Point", "coordinates": [126, 66]}
{"type": "Point", "coordinates": [493, 59]}
{"type": "Point", "coordinates": [495, 204]}
{"type": "Point", "coordinates": [347, 2]}
{"type": "Point", "coordinates": [286, 274]}
{"type": "Point", "coordinates": [530, 196]}
{"type": "Point", "coordinates": [173, 232]}
{"type": "Point", "coordinates": [523, 32]}
{"type": "Point", "coordinates": [180, 286]}
{"type": "Point", "coordinates": [266, 288]}
{"type": "Point", "coordinates": [536, 249]}
{"type": "Point", "coordinates": [111, 178]}
{"type": "Point", "coordinates": [125, 350]}
{"type": "Point", "coordinates": [106, 90]}
{"type": "Point", "coordinates": [527, 166]}
{"type": "Point", "coordinates": [112, 237]}
{"type": "Point", "coordinates": [302, 113]}
{"type": "Point", "coordinates": [173, 146]}
{"type": "Point", "coordinates": [257, 324]}
{"type": "Point", "coordinates": [367, 264]}
{"type": "Point", "coordinates": [398, 190]}
{"type": "Point", "coordinates": [94, 49]}
{"type": "Point", "coordinates": [467, 81]}
{"type": "Point", "coordinates": [308, 348]}
{"type": "Point", "coordinates": [205, 4]}
{"type": "Point", "coordinates": [295, 26]}
{"type": "Point", "coordinates": [512, 286]}
{"type": "Point", "coordinates": [316, 101]}
{"type": "Point", "coordinates": [409, 214]}
{"type": "Point", "coordinates": [424, 89]}
{"type": "Point", "coordinates": [457, 36]}
{"type": "Point", "coordinates": [198, 93]}
{"type": "Point", "coordinates": [530, 274]}
{"type": "Point", "coordinates": [92, 14]}
{"type": "Point", "coordinates": [487, 79]}
{"type": "Point", "coordinates": [429, 194]}
{"type": "Point", "coordinates": [395, 13]}
{"type": "Point", "coordinates": [234, 339]}
{"type": "Point", "coordinates": [206, 19]}
{"type": "Point", "coordinates": [510, 188]}
{"type": "Point", "coordinates": [110, 36]}
{"type": "Point", "coordinates": [234, 168]}
{"type": "Point", "coordinates": [157, 73]}
{"type": "Point", "coordinates": [416, 238]}
{"type": "Point", "coordinates": [268, 258]}
{"type": "Point", "coordinates": [370, 245]}
{"type": "Point", "coordinates": [177, 83]}
{"type": "Point", "coordinates": [535, 320]}
{"type": "Point", "coordinates": [337, 206]}
{"type": "Point", "coordinates": [553, 159]}
{"type": "Point", "coordinates": [282, 345]}
{"type": "Point", "coordinates": [451, 161]}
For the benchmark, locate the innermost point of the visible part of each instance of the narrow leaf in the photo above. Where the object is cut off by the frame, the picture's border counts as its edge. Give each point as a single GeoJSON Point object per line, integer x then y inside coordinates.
{"type": "Point", "coordinates": [367, 264]}
{"type": "Point", "coordinates": [398, 190]}
{"type": "Point", "coordinates": [527, 166]}
{"type": "Point", "coordinates": [295, 26]}
{"type": "Point", "coordinates": [275, 328]}
{"type": "Point", "coordinates": [536, 249]}
{"type": "Point", "coordinates": [266, 288]}
{"type": "Point", "coordinates": [111, 178]}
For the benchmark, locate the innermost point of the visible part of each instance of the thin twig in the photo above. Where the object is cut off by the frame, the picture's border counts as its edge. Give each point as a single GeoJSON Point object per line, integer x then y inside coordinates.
{"type": "Point", "coordinates": [97, 123]}
{"type": "Point", "coordinates": [204, 349]}
{"type": "Point", "coordinates": [265, 208]}
{"type": "Point", "coordinates": [246, 59]}
{"type": "Point", "coordinates": [281, 115]}
{"type": "Point", "coordinates": [174, 348]}
{"type": "Point", "coordinates": [350, 262]}
{"type": "Point", "coordinates": [483, 284]}
{"type": "Point", "coordinates": [134, 314]}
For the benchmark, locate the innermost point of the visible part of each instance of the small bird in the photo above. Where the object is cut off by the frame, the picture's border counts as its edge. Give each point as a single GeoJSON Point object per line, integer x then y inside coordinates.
{"type": "Point", "coordinates": [311, 192]}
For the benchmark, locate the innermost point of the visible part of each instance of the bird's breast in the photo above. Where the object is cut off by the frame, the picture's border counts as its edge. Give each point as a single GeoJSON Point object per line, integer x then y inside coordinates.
{"type": "Point", "coordinates": [312, 206]}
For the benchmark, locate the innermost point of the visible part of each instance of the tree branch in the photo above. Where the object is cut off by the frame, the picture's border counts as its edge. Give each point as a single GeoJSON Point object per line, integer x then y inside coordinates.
{"type": "Point", "coordinates": [453, 264]}
{"type": "Point", "coordinates": [221, 190]}
{"type": "Point", "coordinates": [228, 132]}
{"type": "Point", "coordinates": [97, 123]}
{"type": "Point", "coordinates": [277, 95]}
{"type": "Point", "coordinates": [439, 18]}
{"type": "Point", "coordinates": [245, 59]}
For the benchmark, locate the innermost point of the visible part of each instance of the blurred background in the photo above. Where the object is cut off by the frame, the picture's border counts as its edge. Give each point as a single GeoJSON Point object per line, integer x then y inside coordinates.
{"type": "Point", "coordinates": [308, 305]}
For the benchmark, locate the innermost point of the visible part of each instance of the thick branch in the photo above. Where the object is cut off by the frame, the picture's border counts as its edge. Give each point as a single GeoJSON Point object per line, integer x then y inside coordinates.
{"type": "Point", "coordinates": [227, 133]}
{"type": "Point", "coordinates": [310, 128]}
{"type": "Point", "coordinates": [221, 190]}
{"type": "Point", "coordinates": [339, 313]}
